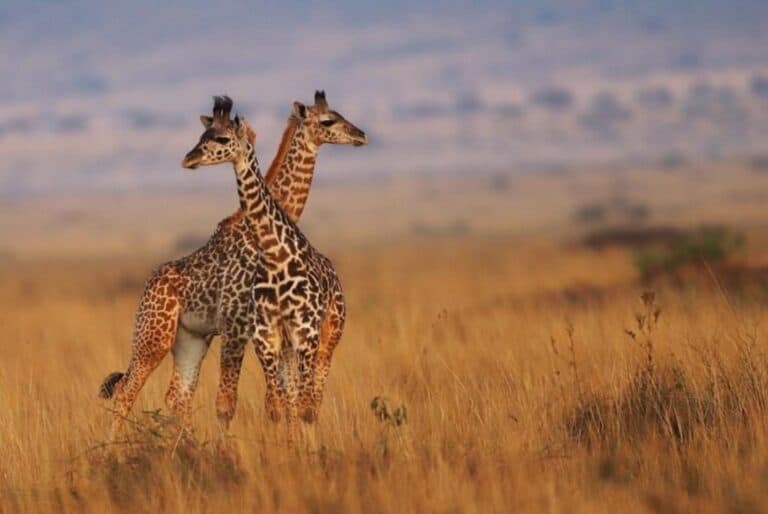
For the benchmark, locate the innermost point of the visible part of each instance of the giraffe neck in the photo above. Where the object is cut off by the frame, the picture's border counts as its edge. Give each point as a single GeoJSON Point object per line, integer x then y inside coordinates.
{"type": "Point", "coordinates": [290, 176]}
{"type": "Point", "coordinates": [269, 223]}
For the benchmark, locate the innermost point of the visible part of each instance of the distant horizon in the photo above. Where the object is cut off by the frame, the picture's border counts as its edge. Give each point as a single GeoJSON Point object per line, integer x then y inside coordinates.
{"type": "Point", "coordinates": [106, 98]}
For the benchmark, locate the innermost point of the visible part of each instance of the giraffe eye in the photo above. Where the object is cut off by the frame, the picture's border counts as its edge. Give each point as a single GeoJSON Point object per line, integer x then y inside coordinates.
{"type": "Point", "coordinates": [327, 123]}
{"type": "Point", "coordinates": [221, 140]}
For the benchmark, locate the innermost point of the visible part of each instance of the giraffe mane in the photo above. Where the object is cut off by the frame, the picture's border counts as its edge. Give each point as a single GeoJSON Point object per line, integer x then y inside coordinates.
{"type": "Point", "coordinates": [222, 107]}
{"type": "Point", "coordinates": [285, 142]}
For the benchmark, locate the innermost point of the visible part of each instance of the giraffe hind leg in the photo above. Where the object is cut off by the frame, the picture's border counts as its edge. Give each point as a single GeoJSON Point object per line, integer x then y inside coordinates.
{"type": "Point", "coordinates": [267, 343]}
{"type": "Point", "coordinates": [288, 371]}
{"type": "Point", "coordinates": [154, 334]}
{"type": "Point", "coordinates": [331, 329]}
{"type": "Point", "coordinates": [306, 341]}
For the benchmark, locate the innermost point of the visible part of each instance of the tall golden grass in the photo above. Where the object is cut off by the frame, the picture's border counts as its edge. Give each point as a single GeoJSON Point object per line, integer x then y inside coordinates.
{"type": "Point", "coordinates": [473, 377]}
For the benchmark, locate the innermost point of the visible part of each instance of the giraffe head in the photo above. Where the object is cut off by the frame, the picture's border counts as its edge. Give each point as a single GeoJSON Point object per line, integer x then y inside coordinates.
{"type": "Point", "coordinates": [224, 139]}
{"type": "Point", "coordinates": [324, 125]}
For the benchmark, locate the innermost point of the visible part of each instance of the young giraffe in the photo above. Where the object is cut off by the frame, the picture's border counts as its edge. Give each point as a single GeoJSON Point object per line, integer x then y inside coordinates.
{"type": "Point", "coordinates": [188, 301]}
{"type": "Point", "coordinates": [290, 177]}
{"type": "Point", "coordinates": [298, 302]}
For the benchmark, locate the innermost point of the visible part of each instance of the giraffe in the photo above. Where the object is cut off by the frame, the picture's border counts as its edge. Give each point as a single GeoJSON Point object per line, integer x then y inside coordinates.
{"type": "Point", "coordinates": [290, 177]}
{"type": "Point", "coordinates": [298, 304]}
{"type": "Point", "coordinates": [188, 301]}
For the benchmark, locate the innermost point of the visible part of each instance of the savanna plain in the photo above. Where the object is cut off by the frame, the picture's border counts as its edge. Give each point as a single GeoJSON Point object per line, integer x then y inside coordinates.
{"type": "Point", "coordinates": [571, 341]}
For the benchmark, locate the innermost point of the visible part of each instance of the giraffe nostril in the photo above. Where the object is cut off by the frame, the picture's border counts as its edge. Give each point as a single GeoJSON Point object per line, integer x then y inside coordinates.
{"type": "Point", "coordinates": [192, 159]}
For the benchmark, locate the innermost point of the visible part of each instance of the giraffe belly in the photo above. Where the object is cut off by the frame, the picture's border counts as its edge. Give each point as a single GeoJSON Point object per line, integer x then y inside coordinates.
{"type": "Point", "coordinates": [198, 323]}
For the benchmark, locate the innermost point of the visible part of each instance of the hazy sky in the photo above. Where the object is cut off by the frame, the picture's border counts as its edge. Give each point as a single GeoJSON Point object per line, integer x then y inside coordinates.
{"type": "Point", "coordinates": [105, 95]}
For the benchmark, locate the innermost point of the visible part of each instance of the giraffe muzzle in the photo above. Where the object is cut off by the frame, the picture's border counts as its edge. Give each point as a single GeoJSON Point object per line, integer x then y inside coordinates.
{"type": "Point", "coordinates": [360, 138]}
{"type": "Point", "coordinates": [192, 159]}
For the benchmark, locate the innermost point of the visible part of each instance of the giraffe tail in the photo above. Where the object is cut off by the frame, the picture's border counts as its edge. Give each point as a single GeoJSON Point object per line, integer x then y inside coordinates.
{"type": "Point", "coordinates": [107, 389]}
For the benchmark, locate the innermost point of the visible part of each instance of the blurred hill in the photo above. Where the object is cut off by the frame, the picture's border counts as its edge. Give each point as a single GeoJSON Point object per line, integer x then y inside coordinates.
{"type": "Point", "coordinates": [104, 97]}
{"type": "Point", "coordinates": [560, 207]}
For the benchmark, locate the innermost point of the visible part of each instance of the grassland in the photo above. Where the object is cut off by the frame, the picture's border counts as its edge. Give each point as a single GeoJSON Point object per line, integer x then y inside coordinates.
{"type": "Point", "coordinates": [529, 374]}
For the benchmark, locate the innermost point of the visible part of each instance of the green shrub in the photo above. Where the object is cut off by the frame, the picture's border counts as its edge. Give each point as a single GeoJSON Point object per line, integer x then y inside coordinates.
{"type": "Point", "coordinates": [704, 245]}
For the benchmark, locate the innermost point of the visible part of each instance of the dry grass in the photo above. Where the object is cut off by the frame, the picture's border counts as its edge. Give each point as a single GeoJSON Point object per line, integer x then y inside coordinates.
{"type": "Point", "coordinates": [506, 378]}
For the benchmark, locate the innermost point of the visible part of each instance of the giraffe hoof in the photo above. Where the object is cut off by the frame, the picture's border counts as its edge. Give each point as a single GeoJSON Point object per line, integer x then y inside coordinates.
{"type": "Point", "coordinates": [225, 420]}
{"type": "Point", "coordinates": [274, 415]}
{"type": "Point", "coordinates": [308, 415]}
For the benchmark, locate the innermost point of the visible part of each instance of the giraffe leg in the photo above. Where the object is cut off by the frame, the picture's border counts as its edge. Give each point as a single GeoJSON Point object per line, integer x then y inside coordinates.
{"type": "Point", "coordinates": [268, 341]}
{"type": "Point", "coordinates": [154, 336]}
{"type": "Point", "coordinates": [188, 352]}
{"type": "Point", "coordinates": [306, 340]}
{"type": "Point", "coordinates": [232, 353]}
{"type": "Point", "coordinates": [331, 330]}
{"type": "Point", "coordinates": [288, 371]}
{"type": "Point", "coordinates": [269, 358]}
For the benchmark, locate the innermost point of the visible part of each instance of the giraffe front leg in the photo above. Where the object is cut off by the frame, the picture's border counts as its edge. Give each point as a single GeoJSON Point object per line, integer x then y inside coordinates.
{"type": "Point", "coordinates": [267, 342]}
{"type": "Point", "coordinates": [232, 354]}
{"type": "Point", "coordinates": [280, 396]}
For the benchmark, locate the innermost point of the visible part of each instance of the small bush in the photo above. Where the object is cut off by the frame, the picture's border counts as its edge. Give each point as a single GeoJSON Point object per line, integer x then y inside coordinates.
{"type": "Point", "coordinates": [155, 445]}
{"type": "Point", "coordinates": [759, 86]}
{"type": "Point", "coordinates": [386, 414]}
{"type": "Point", "coordinates": [673, 160]}
{"type": "Point", "coordinates": [655, 98]}
{"type": "Point", "coordinates": [705, 245]}
{"type": "Point", "coordinates": [632, 237]}
{"type": "Point", "coordinates": [661, 402]}
{"type": "Point", "coordinates": [553, 98]}
{"type": "Point", "coordinates": [621, 214]}
{"type": "Point", "coordinates": [590, 213]}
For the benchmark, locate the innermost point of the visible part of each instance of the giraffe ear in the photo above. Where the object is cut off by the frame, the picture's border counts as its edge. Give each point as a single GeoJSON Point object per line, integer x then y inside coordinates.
{"type": "Point", "coordinates": [207, 121]}
{"type": "Point", "coordinates": [250, 134]}
{"type": "Point", "coordinates": [299, 110]}
{"type": "Point", "coordinates": [244, 129]}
